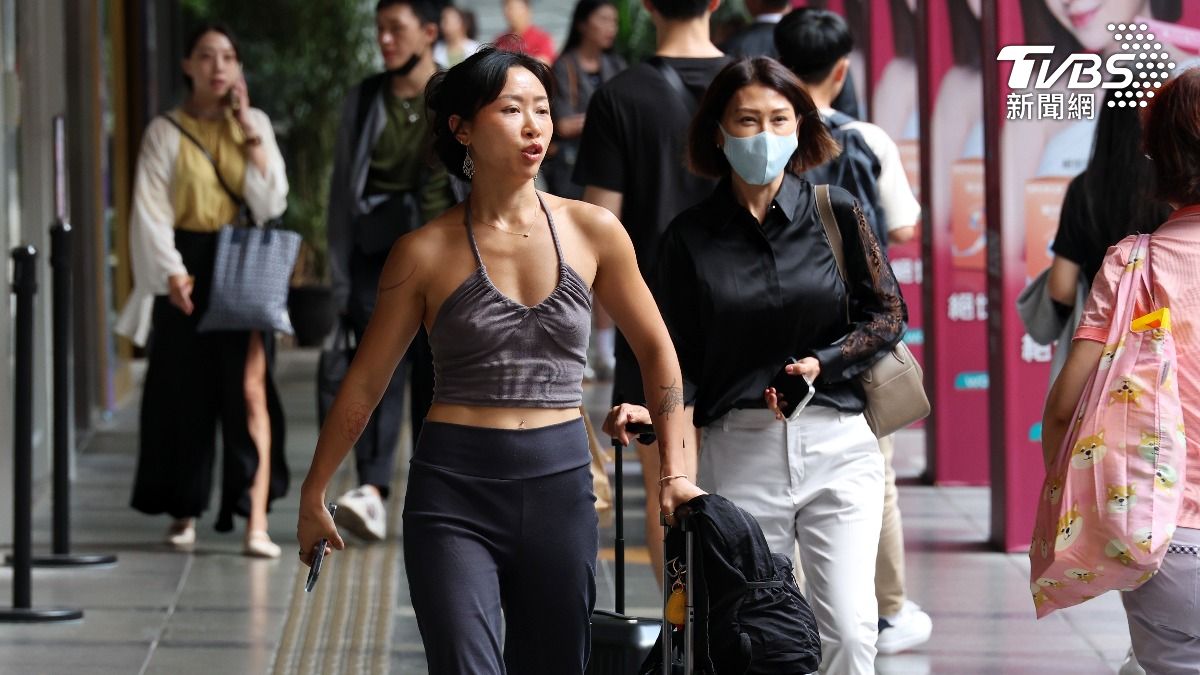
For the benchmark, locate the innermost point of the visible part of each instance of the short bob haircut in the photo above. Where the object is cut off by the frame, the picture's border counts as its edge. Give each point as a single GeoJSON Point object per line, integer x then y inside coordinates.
{"type": "Point", "coordinates": [816, 145]}
{"type": "Point", "coordinates": [466, 88]}
{"type": "Point", "coordinates": [1172, 139]}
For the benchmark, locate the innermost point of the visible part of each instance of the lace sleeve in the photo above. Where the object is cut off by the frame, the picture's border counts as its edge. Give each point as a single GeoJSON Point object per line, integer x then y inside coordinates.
{"type": "Point", "coordinates": [877, 311]}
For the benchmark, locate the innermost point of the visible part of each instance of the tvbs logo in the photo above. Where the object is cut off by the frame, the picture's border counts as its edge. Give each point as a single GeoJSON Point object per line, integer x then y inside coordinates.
{"type": "Point", "coordinates": [1083, 71]}
{"type": "Point", "coordinates": [1141, 63]}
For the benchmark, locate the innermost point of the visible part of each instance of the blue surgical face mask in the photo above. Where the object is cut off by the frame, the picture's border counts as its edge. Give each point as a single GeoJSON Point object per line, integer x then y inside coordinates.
{"type": "Point", "coordinates": [759, 159]}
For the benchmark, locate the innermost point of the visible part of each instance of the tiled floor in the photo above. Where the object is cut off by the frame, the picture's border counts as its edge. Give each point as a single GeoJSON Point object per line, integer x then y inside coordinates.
{"type": "Point", "coordinates": [159, 611]}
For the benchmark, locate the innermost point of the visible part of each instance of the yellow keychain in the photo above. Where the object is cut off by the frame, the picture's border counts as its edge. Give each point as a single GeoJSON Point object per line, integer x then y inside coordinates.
{"type": "Point", "coordinates": [1160, 319]}
{"type": "Point", "coordinates": [676, 613]}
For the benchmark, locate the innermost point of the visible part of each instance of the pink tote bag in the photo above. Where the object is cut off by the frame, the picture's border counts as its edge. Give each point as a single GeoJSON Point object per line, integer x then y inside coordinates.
{"type": "Point", "coordinates": [1108, 507]}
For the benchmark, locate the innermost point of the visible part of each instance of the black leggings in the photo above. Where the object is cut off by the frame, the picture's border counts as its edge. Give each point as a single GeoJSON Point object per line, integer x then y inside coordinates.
{"type": "Point", "coordinates": [502, 522]}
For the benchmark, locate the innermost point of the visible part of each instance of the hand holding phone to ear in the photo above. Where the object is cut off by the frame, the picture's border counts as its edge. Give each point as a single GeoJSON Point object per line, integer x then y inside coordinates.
{"type": "Point", "coordinates": [238, 100]}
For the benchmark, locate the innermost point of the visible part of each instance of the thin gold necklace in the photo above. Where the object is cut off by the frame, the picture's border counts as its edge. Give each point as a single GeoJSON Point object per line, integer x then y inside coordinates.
{"type": "Point", "coordinates": [524, 234]}
{"type": "Point", "coordinates": [515, 234]}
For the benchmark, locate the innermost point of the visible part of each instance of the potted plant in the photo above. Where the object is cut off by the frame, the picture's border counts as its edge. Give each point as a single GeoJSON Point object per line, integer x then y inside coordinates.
{"type": "Point", "coordinates": [310, 300]}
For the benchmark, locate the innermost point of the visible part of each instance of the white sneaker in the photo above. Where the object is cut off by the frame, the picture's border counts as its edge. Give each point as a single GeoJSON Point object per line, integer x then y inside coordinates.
{"type": "Point", "coordinates": [909, 628]}
{"type": "Point", "coordinates": [361, 511]}
{"type": "Point", "coordinates": [1131, 665]}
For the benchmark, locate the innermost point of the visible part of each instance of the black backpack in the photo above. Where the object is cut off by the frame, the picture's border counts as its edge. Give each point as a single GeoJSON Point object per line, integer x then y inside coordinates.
{"type": "Point", "coordinates": [856, 170]}
{"type": "Point", "coordinates": [750, 616]}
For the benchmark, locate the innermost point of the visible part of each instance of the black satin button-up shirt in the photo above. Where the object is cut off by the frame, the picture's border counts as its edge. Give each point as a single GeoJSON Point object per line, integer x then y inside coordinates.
{"type": "Point", "coordinates": [740, 298]}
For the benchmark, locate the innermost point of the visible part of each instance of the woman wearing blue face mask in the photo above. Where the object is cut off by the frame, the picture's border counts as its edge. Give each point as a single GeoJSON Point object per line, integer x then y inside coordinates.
{"type": "Point", "coordinates": [747, 280]}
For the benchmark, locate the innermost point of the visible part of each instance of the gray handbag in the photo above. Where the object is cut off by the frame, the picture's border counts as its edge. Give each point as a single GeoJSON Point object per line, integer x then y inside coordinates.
{"type": "Point", "coordinates": [252, 269]}
{"type": "Point", "coordinates": [251, 276]}
{"type": "Point", "coordinates": [893, 385]}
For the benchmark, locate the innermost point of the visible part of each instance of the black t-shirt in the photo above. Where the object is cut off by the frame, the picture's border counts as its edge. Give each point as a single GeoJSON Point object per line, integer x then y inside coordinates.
{"type": "Point", "coordinates": [757, 39]}
{"type": "Point", "coordinates": [634, 143]}
{"type": "Point", "coordinates": [1078, 238]}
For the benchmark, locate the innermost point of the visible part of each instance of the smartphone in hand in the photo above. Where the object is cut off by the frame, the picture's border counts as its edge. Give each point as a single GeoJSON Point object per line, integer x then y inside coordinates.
{"type": "Point", "coordinates": [231, 101]}
{"type": "Point", "coordinates": [794, 391]}
{"type": "Point", "coordinates": [314, 571]}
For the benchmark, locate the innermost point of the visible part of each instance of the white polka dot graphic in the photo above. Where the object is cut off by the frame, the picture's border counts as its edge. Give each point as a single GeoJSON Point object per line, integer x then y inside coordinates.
{"type": "Point", "coordinates": [1151, 65]}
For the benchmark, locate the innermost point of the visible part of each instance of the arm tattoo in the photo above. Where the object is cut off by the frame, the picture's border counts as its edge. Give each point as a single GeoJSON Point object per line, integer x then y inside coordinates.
{"type": "Point", "coordinates": [384, 289]}
{"type": "Point", "coordinates": [671, 400]}
{"type": "Point", "coordinates": [354, 421]}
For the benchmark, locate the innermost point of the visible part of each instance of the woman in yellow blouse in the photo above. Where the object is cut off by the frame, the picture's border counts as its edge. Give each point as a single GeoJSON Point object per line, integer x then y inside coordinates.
{"type": "Point", "coordinates": [194, 380]}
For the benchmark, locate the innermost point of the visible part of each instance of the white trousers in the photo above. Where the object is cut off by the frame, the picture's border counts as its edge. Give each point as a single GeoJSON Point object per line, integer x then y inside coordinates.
{"type": "Point", "coordinates": [816, 483]}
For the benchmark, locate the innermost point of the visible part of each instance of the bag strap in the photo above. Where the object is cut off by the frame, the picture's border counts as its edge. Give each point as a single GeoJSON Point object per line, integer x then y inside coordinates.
{"type": "Point", "coordinates": [241, 203]}
{"type": "Point", "coordinates": [572, 82]}
{"type": "Point", "coordinates": [838, 119]}
{"type": "Point", "coordinates": [1144, 241]}
{"type": "Point", "coordinates": [834, 235]}
{"type": "Point", "coordinates": [668, 73]}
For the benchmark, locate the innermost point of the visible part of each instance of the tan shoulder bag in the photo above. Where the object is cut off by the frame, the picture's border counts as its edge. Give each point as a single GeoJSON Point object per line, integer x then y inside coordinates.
{"type": "Point", "coordinates": [894, 385]}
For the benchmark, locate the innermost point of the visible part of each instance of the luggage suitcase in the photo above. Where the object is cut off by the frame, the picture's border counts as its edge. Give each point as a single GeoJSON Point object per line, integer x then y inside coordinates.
{"type": "Point", "coordinates": [620, 643]}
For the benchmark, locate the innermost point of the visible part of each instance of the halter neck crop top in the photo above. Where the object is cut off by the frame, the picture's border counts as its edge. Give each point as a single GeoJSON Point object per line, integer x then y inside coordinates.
{"type": "Point", "coordinates": [490, 350]}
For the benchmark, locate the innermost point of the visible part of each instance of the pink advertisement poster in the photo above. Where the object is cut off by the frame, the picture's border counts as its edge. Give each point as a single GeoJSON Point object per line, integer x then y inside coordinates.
{"type": "Point", "coordinates": [893, 107]}
{"type": "Point", "coordinates": [1045, 108]}
{"type": "Point", "coordinates": [957, 358]}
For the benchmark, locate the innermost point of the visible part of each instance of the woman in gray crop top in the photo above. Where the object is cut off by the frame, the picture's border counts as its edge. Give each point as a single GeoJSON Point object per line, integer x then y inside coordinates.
{"type": "Point", "coordinates": [498, 511]}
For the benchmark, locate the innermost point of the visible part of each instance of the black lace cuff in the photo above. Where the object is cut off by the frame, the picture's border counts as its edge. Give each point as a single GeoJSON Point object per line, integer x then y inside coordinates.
{"type": "Point", "coordinates": [877, 309]}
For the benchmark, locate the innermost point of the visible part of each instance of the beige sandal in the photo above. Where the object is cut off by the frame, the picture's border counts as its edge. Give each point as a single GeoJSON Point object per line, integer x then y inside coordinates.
{"type": "Point", "coordinates": [182, 533]}
{"type": "Point", "coordinates": [258, 544]}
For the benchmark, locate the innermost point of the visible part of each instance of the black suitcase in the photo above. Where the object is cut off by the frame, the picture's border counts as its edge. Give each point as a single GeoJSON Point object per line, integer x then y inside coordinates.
{"type": "Point", "coordinates": [620, 643]}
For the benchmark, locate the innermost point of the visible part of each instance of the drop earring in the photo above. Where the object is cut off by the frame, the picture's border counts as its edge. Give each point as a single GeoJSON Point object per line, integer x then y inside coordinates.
{"type": "Point", "coordinates": [468, 166]}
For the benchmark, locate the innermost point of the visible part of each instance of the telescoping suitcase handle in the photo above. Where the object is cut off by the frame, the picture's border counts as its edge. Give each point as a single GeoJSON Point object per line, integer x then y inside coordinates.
{"type": "Point", "coordinates": [683, 522]}
{"type": "Point", "coordinates": [644, 432]}
{"type": "Point", "coordinates": [645, 436]}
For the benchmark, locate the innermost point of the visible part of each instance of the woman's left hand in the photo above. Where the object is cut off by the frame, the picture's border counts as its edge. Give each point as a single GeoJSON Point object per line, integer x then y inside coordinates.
{"type": "Point", "coordinates": [808, 367]}
{"type": "Point", "coordinates": [675, 493]}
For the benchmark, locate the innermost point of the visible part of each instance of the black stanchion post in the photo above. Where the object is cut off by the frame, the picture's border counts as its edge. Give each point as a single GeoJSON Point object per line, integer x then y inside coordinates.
{"type": "Point", "coordinates": [25, 287]}
{"type": "Point", "coordinates": [60, 263]}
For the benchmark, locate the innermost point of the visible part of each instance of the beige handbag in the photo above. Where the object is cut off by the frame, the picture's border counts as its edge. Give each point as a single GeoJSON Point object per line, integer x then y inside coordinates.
{"type": "Point", "coordinates": [893, 385]}
{"type": "Point", "coordinates": [601, 486]}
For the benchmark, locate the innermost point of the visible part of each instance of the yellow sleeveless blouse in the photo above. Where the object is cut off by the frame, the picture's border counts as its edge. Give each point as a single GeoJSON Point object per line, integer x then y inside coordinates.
{"type": "Point", "coordinates": [200, 203]}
